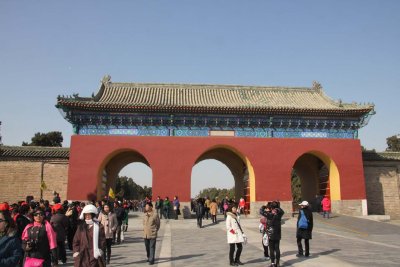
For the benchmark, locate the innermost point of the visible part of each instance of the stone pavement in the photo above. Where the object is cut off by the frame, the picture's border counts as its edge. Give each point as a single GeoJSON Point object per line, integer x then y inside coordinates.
{"type": "Point", "coordinates": [340, 241]}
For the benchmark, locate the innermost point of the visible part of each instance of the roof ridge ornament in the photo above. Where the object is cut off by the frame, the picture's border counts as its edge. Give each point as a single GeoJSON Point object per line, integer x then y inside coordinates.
{"type": "Point", "coordinates": [106, 79]}
{"type": "Point", "coordinates": [317, 86]}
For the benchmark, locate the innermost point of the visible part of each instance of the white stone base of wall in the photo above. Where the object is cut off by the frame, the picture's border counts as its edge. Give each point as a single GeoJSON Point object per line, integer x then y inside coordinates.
{"type": "Point", "coordinates": [356, 207]}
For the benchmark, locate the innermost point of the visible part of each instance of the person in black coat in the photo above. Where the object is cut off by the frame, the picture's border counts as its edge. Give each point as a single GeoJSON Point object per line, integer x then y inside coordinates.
{"type": "Point", "coordinates": [274, 219]}
{"type": "Point", "coordinates": [304, 229]}
{"type": "Point", "coordinates": [200, 210]}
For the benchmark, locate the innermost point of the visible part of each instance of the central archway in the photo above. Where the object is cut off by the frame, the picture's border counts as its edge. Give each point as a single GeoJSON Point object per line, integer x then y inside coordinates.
{"type": "Point", "coordinates": [240, 168]}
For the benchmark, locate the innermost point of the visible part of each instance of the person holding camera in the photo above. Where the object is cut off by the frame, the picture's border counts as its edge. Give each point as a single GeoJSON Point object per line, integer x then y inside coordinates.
{"type": "Point", "coordinates": [39, 241]}
{"type": "Point", "coordinates": [304, 229]}
{"type": "Point", "coordinates": [274, 214]}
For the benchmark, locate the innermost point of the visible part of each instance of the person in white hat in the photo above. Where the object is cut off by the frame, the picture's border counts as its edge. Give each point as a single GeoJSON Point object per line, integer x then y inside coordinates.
{"type": "Point", "coordinates": [304, 229]}
{"type": "Point", "coordinates": [89, 239]}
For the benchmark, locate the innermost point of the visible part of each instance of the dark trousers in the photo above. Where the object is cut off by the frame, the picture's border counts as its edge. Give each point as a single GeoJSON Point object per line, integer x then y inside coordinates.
{"type": "Point", "coordinates": [166, 213]}
{"type": "Point", "coordinates": [232, 251]}
{"type": "Point", "coordinates": [266, 253]}
{"type": "Point", "coordinates": [207, 213]}
{"type": "Point", "coordinates": [199, 221]}
{"type": "Point", "coordinates": [61, 253]}
{"type": "Point", "coordinates": [150, 248]}
{"type": "Point", "coordinates": [117, 234]}
{"type": "Point", "coordinates": [159, 213]}
{"type": "Point", "coordinates": [107, 249]}
{"type": "Point", "coordinates": [274, 251]}
{"type": "Point", "coordinates": [300, 247]}
{"type": "Point", "coordinates": [214, 218]}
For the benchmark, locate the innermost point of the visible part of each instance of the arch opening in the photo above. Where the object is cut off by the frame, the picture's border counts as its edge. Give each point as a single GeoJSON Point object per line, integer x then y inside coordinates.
{"type": "Point", "coordinates": [313, 176]}
{"type": "Point", "coordinates": [236, 164]}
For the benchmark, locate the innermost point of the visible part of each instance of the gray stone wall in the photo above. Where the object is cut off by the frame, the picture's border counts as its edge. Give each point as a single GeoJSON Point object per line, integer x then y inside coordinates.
{"type": "Point", "coordinates": [22, 178]}
{"type": "Point", "coordinates": [382, 180]}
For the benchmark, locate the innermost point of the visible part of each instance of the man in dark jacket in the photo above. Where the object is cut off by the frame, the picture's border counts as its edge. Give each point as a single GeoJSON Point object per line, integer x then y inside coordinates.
{"type": "Point", "coordinates": [274, 217]}
{"type": "Point", "coordinates": [200, 210]}
{"type": "Point", "coordinates": [120, 213]}
{"type": "Point", "coordinates": [60, 224]}
{"type": "Point", "coordinates": [304, 229]}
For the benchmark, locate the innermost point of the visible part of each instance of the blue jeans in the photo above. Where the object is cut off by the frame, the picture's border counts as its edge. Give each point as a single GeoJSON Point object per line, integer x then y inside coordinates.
{"type": "Point", "coordinates": [326, 213]}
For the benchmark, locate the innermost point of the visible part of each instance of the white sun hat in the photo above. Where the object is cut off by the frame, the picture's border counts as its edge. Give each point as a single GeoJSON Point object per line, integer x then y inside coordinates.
{"type": "Point", "coordinates": [304, 203]}
{"type": "Point", "coordinates": [88, 209]}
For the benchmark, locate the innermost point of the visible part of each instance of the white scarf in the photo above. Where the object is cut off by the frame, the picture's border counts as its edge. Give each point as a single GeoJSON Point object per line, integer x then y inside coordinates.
{"type": "Point", "coordinates": [96, 250]}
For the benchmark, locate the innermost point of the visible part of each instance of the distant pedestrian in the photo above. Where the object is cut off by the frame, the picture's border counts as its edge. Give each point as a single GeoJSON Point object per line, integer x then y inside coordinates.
{"type": "Point", "coordinates": [326, 206]}
{"type": "Point", "coordinates": [159, 207]}
{"type": "Point", "coordinates": [166, 207]}
{"type": "Point", "coordinates": [151, 225]}
{"type": "Point", "coordinates": [235, 236]}
{"type": "Point", "coordinates": [200, 212]}
{"type": "Point", "coordinates": [10, 243]}
{"type": "Point", "coordinates": [242, 204]}
{"type": "Point", "coordinates": [177, 206]}
{"type": "Point", "coordinates": [304, 229]}
{"type": "Point", "coordinates": [207, 207]}
{"type": "Point", "coordinates": [214, 211]}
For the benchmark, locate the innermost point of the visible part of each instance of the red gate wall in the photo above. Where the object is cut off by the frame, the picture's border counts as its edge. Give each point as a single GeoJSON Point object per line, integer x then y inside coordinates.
{"type": "Point", "coordinates": [172, 159]}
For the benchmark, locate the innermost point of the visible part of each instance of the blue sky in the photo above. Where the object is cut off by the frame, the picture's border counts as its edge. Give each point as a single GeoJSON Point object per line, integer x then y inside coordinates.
{"type": "Point", "coordinates": [49, 48]}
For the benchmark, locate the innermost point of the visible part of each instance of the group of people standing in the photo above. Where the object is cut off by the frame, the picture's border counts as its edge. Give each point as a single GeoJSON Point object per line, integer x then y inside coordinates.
{"type": "Point", "coordinates": [270, 227]}
{"type": "Point", "coordinates": [33, 234]}
{"type": "Point", "coordinates": [163, 207]}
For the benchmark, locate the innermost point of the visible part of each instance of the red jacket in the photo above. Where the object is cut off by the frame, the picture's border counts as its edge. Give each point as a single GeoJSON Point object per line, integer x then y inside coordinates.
{"type": "Point", "coordinates": [326, 204]}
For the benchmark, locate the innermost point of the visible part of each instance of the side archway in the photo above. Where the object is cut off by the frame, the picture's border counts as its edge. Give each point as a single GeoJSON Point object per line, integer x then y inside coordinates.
{"type": "Point", "coordinates": [315, 174]}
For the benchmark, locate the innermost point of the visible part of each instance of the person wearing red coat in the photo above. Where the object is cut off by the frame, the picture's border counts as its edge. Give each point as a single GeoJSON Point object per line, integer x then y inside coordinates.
{"type": "Point", "coordinates": [326, 206]}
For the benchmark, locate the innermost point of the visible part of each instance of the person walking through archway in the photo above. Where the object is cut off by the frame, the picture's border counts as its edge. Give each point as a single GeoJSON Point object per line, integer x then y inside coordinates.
{"type": "Point", "coordinates": [304, 229]}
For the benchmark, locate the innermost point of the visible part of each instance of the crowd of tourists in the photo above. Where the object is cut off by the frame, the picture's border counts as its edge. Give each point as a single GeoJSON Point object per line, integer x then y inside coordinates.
{"type": "Point", "coordinates": [35, 233]}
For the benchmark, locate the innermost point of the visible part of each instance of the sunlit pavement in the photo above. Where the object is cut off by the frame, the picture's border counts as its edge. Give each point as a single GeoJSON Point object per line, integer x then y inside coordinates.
{"type": "Point", "coordinates": [340, 241]}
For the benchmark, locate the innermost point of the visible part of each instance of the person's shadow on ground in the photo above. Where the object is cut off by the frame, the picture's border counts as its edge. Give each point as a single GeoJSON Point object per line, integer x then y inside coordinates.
{"type": "Point", "coordinates": [300, 259]}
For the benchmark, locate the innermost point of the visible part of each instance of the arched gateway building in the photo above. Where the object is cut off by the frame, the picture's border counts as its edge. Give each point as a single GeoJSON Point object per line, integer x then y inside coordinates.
{"type": "Point", "coordinates": [264, 135]}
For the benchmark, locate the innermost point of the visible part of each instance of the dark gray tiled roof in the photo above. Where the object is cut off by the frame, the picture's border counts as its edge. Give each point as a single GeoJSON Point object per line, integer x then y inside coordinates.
{"type": "Point", "coordinates": [381, 156]}
{"type": "Point", "coordinates": [128, 97]}
{"type": "Point", "coordinates": [34, 152]}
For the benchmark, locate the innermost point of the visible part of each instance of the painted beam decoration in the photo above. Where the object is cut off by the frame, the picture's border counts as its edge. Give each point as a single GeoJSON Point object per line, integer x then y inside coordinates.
{"type": "Point", "coordinates": [132, 109]}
